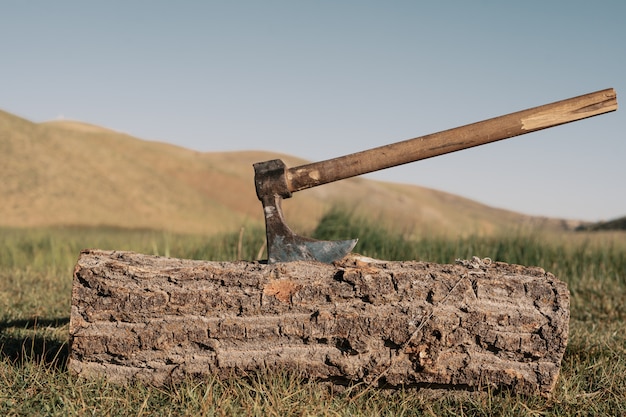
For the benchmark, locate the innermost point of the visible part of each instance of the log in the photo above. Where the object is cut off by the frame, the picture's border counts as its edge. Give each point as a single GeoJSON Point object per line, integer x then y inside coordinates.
{"type": "Point", "coordinates": [470, 325]}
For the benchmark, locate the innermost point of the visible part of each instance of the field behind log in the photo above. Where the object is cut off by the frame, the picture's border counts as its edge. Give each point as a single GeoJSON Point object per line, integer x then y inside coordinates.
{"type": "Point", "coordinates": [35, 292]}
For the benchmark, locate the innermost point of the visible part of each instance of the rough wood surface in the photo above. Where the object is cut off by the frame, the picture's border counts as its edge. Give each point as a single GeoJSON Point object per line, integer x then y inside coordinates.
{"type": "Point", "coordinates": [468, 325]}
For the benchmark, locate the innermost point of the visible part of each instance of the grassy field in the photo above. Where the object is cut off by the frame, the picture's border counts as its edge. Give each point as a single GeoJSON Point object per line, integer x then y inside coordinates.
{"type": "Point", "coordinates": [35, 293]}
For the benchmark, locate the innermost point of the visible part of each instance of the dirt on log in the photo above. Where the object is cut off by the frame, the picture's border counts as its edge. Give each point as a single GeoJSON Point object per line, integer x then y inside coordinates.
{"type": "Point", "coordinates": [470, 325]}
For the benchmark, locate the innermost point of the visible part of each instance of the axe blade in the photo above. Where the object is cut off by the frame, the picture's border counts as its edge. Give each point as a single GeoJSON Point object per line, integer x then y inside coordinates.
{"type": "Point", "coordinates": [283, 245]}
{"type": "Point", "coordinates": [298, 248]}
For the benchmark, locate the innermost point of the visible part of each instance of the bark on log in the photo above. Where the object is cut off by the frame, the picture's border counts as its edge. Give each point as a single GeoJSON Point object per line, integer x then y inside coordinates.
{"type": "Point", "coordinates": [469, 325]}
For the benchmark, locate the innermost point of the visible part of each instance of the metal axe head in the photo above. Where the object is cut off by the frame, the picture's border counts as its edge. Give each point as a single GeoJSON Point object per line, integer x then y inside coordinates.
{"type": "Point", "coordinates": [283, 245]}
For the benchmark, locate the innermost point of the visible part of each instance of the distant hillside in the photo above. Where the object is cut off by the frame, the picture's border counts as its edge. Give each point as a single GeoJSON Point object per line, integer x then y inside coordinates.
{"type": "Point", "coordinates": [616, 224]}
{"type": "Point", "coordinates": [72, 173]}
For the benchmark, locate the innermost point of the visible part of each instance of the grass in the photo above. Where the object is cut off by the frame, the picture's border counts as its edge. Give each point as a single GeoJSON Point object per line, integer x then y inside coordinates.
{"type": "Point", "coordinates": [35, 293]}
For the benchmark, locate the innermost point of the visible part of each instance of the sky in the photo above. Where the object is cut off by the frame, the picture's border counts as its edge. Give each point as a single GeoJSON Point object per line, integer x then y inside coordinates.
{"type": "Point", "coordinates": [321, 79]}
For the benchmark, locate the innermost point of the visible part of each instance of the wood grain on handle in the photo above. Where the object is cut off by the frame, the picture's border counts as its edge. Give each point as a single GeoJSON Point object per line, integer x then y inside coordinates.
{"type": "Point", "coordinates": [491, 130]}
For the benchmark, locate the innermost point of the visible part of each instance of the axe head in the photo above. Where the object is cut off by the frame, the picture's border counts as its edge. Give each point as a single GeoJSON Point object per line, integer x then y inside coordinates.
{"type": "Point", "coordinates": [283, 245]}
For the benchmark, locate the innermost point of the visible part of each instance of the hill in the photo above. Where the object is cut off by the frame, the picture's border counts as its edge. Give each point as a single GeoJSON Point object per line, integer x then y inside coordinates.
{"type": "Point", "coordinates": [72, 173]}
{"type": "Point", "coordinates": [615, 224]}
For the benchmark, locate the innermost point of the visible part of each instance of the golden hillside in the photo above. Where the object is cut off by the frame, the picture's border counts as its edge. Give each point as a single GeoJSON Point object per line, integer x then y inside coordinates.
{"type": "Point", "coordinates": [72, 173]}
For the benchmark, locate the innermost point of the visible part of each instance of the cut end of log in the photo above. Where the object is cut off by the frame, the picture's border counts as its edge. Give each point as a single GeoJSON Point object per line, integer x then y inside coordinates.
{"type": "Point", "coordinates": [471, 325]}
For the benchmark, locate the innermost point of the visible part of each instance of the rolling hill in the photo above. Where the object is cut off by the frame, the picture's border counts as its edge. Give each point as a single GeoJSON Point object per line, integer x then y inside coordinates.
{"type": "Point", "coordinates": [615, 224]}
{"type": "Point", "coordinates": [71, 173]}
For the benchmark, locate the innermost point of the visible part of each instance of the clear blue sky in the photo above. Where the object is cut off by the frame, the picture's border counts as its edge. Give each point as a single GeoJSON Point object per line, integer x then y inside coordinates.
{"type": "Point", "coordinates": [320, 79]}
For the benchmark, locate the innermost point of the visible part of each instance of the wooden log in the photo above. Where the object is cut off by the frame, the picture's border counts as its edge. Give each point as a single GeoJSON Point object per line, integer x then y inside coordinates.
{"type": "Point", "coordinates": [469, 325]}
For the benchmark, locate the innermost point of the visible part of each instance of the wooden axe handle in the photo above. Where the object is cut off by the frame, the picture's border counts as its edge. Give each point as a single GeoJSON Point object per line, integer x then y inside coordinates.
{"type": "Point", "coordinates": [491, 130]}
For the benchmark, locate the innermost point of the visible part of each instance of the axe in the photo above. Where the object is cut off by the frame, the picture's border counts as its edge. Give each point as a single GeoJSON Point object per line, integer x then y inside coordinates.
{"type": "Point", "coordinates": [274, 181]}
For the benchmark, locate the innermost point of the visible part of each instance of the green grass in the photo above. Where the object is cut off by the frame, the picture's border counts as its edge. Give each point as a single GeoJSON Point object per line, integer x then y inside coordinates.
{"type": "Point", "coordinates": [35, 293]}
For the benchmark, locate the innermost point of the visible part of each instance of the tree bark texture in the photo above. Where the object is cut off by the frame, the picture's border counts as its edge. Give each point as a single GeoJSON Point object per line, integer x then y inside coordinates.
{"type": "Point", "coordinates": [470, 325]}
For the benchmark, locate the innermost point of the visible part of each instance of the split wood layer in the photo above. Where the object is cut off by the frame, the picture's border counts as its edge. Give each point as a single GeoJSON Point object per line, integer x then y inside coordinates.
{"type": "Point", "coordinates": [469, 325]}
